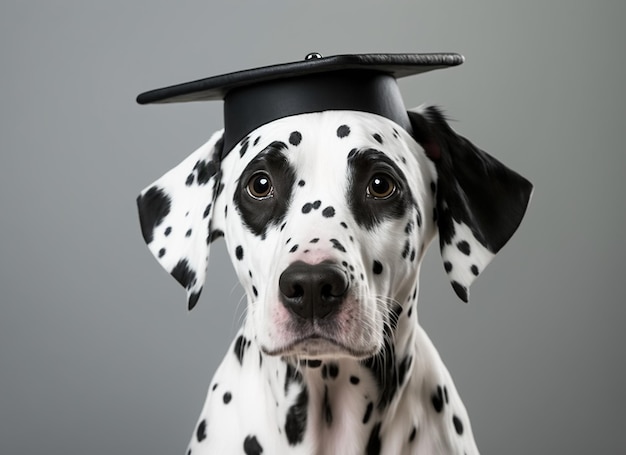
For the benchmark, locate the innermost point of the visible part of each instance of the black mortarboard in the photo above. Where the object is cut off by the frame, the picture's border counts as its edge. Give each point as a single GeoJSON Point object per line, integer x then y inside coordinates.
{"type": "Point", "coordinates": [254, 97]}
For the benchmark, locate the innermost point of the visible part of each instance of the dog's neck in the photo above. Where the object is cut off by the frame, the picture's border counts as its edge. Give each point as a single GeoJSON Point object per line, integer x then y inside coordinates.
{"type": "Point", "coordinates": [322, 401]}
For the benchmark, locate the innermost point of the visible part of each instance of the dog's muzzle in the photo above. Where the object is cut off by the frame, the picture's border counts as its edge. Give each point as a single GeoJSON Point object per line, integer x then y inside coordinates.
{"type": "Point", "coordinates": [313, 291]}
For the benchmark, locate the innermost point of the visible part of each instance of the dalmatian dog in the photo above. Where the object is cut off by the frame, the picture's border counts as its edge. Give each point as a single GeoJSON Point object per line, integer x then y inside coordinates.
{"type": "Point", "coordinates": [326, 217]}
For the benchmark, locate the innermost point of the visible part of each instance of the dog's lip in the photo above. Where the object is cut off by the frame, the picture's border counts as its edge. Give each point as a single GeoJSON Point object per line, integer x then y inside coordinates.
{"type": "Point", "coordinates": [317, 347]}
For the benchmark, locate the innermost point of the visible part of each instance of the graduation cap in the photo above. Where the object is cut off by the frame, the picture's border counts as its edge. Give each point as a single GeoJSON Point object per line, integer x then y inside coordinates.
{"type": "Point", "coordinates": [365, 82]}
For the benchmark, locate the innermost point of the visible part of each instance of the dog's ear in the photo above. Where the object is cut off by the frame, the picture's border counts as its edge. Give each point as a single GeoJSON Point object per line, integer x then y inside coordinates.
{"type": "Point", "coordinates": [175, 213]}
{"type": "Point", "coordinates": [479, 201]}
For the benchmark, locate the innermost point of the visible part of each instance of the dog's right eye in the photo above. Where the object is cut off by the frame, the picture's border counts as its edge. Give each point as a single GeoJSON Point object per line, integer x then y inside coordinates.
{"type": "Point", "coordinates": [260, 186]}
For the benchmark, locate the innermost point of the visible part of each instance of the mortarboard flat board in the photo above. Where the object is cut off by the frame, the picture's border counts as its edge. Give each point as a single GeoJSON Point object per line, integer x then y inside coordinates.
{"type": "Point", "coordinates": [254, 97]}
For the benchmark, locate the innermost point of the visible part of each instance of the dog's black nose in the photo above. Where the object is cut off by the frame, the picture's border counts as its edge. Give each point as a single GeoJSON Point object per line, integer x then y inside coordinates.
{"type": "Point", "coordinates": [313, 291]}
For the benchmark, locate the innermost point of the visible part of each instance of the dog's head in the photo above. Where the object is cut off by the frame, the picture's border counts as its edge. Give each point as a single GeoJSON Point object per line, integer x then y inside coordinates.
{"type": "Point", "coordinates": [326, 217]}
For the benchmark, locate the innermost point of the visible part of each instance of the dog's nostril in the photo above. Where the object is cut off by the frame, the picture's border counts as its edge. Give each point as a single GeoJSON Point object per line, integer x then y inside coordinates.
{"type": "Point", "coordinates": [297, 291]}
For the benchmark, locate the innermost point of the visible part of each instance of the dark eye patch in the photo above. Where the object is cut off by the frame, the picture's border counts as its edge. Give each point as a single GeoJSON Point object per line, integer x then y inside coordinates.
{"type": "Point", "coordinates": [368, 212]}
{"type": "Point", "coordinates": [257, 214]}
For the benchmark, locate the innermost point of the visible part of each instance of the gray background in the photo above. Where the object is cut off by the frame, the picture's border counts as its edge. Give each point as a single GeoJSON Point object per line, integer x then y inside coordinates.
{"type": "Point", "coordinates": [98, 354]}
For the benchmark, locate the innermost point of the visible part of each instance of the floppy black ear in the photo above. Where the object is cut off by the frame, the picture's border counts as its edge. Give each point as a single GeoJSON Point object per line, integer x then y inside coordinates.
{"type": "Point", "coordinates": [480, 202]}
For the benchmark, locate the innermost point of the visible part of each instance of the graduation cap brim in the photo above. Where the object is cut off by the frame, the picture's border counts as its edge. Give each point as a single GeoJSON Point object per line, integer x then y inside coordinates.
{"type": "Point", "coordinates": [254, 97]}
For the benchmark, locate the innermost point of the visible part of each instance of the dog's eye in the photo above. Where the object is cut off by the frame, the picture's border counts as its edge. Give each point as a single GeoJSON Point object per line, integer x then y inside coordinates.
{"type": "Point", "coordinates": [381, 186]}
{"type": "Point", "coordinates": [260, 186]}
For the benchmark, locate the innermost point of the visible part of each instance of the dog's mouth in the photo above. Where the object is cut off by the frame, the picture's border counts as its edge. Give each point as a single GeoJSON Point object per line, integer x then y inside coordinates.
{"type": "Point", "coordinates": [318, 347]}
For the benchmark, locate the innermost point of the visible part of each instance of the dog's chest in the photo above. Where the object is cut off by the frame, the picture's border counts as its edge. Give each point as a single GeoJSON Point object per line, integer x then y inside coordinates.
{"type": "Point", "coordinates": [258, 404]}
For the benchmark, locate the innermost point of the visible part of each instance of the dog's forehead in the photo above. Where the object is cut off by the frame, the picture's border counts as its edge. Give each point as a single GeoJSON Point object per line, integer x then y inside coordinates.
{"type": "Point", "coordinates": [323, 139]}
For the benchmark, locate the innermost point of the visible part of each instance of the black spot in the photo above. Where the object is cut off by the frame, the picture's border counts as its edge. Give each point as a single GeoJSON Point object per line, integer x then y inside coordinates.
{"type": "Point", "coordinates": [295, 138]}
{"type": "Point", "coordinates": [412, 435]}
{"type": "Point", "coordinates": [418, 216]}
{"type": "Point", "coordinates": [413, 253]}
{"type": "Point", "coordinates": [474, 270]}
{"type": "Point", "coordinates": [251, 446]}
{"type": "Point", "coordinates": [458, 425]}
{"type": "Point", "coordinates": [184, 274]}
{"type": "Point", "coordinates": [291, 375]}
{"type": "Point", "coordinates": [333, 370]}
{"type": "Point", "coordinates": [408, 314]}
{"type": "Point", "coordinates": [343, 225]}
{"type": "Point", "coordinates": [207, 210]}
{"type": "Point", "coordinates": [190, 179]}
{"type": "Point", "coordinates": [161, 252]}
{"type": "Point", "coordinates": [306, 208]}
{"type": "Point", "coordinates": [373, 444]}
{"type": "Point", "coordinates": [301, 183]}
{"type": "Point", "coordinates": [403, 368]}
{"type": "Point", "coordinates": [324, 371]}
{"type": "Point", "coordinates": [214, 235]}
{"type": "Point", "coordinates": [153, 207]}
{"type": "Point", "coordinates": [315, 240]}
{"type": "Point", "coordinates": [313, 363]}
{"type": "Point", "coordinates": [445, 393]}
{"type": "Point", "coordinates": [437, 399]}
{"type": "Point", "coordinates": [243, 149]}
{"type": "Point", "coordinates": [168, 231]}
{"type": "Point", "coordinates": [328, 413]}
{"type": "Point", "coordinates": [328, 212]}
{"type": "Point", "coordinates": [239, 252]}
{"type": "Point", "coordinates": [337, 244]}
{"type": "Point", "coordinates": [193, 299]}
{"type": "Point", "coordinates": [240, 348]}
{"type": "Point", "coordinates": [260, 215]}
{"type": "Point", "coordinates": [205, 171]}
{"type": "Point", "coordinates": [255, 292]}
{"type": "Point", "coordinates": [368, 211]}
{"type": "Point", "coordinates": [352, 153]}
{"type": "Point", "coordinates": [378, 268]}
{"type": "Point", "coordinates": [368, 412]}
{"type": "Point", "coordinates": [383, 365]}
{"type": "Point", "coordinates": [354, 380]}
{"type": "Point", "coordinates": [447, 265]}
{"type": "Point", "coordinates": [316, 204]}
{"type": "Point", "coordinates": [461, 291]}
{"type": "Point", "coordinates": [378, 138]}
{"type": "Point", "coordinates": [188, 233]}
{"type": "Point", "coordinates": [409, 227]}
{"type": "Point", "coordinates": [406, 249]}
{"type": "Point", "coordinates": [343, 131]}
{"type": "Point", "coordinates": [227, 397]}
{"type": "Point", "coordinates": [293, 249]}
{"type": "Point", "coordinates": [201, 431]}
{"type": "Point", "coordinates": [219, 190]}
{"type": "Point", "coordinates": [295, 423]}
{"type": "Point", "coordinates": [433, 187]}
{"type": "Point", "coordinates": [214, 386]}
{"type": "Point", "coordinates": [256, 141]}
{"type": "Point", "coordinates": [282, 226]}
{"type": "Point", "coordinates": [463, 247]}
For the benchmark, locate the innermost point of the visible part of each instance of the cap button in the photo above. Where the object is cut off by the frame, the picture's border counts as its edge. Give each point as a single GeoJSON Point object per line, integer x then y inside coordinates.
{"type": "Point", "coordinates": [313, 55]}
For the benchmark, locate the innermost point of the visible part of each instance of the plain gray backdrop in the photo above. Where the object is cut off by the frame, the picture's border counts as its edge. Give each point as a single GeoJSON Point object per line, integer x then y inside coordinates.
{"type": "Point", "coordinates": [98, 354]}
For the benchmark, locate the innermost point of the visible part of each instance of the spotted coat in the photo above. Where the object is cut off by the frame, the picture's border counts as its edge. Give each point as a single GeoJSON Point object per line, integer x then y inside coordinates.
{"type": "Point", "coordinates": [356, 199]}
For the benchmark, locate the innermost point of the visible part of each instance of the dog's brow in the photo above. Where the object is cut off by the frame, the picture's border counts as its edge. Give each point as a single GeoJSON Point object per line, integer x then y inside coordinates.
{"type": "Point", "coordinates": [369, 155]}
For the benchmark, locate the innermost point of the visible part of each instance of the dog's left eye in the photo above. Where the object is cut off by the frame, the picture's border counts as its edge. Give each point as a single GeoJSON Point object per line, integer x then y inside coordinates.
{"type": "Point", "coordinates": [381, 186]}
{"type": "Point", "coordinates": [260, 186]}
